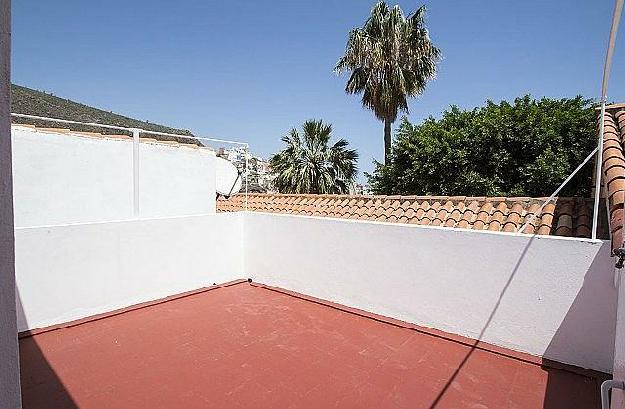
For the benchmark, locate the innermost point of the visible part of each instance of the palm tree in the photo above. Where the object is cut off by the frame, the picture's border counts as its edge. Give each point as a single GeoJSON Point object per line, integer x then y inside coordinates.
{"type": "Point", "coordinates": [390, 58]}
{"type": "Point", "coordinates": [309, 164]}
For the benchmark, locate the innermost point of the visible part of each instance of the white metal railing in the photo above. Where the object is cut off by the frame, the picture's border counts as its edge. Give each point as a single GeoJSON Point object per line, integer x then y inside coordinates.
{"type": "Point", "coordinates": [136, 132]}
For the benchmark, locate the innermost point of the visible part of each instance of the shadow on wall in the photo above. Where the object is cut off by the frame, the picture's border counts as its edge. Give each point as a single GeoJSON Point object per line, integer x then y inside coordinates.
{"type": "Point", "coordinates": [577, 340]}
{"type": "Point", "coordinates": [41, 386]}
{"type": "Point", "coordinates": [573, 339]}
{"type": "Point", "coordinates": [474, 346]}
{"type": "Point", "coordinates": [564, 388]}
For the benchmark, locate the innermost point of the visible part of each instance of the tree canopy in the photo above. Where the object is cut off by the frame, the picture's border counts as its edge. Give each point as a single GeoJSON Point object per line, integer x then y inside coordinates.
{"type": "Point", "coordinates": [524, 148]}
{"type": "Point", "coordinates": [390, 59]}
{"type": "Point", "coordinates": [309, 164]}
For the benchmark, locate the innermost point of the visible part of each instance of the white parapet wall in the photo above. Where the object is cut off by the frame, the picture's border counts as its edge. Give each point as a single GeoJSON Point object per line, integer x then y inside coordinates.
{"type": "Point", "coordinates": [546, 296]}
{"type": "Point", "coordinates": [63, 177]}
{"type": "Point", "coordinates": [618, 395]}
{"type": "Point", "coordinates": [69, 272]}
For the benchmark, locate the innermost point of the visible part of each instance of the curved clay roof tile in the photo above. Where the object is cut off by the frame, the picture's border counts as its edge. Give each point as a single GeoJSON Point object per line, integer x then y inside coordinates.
{"type": "Point", "coordinates": [451, 221]}
{"type": "Point", "coordinates": [428, 217]}
{"type": "Point", "coordinates": [437, 221]}
{"type": "Point", "coordinates": [617, 199]}
{"type": "Point", "coordinates": [615, 172]}
{"type": "Point", "coordinates": [565, 225]}
{"type": "Point", "coordinates": [463, 224]}
{"type": "Point", "coordinates": [483, 215]}
{"type": "Point", "coordinates": [497, 218]}
{"type": "Point", "coordinates": [456, 214]}
{"type": "Point", "coordinates": [410, 213]}
{"type": "Point", "coordinates": [549, 208]}
{"type": "Point", "coordinates": [514, 220]}
{"type": "Point", "coordinates": [546, 221]}
{"type": "Point", "coordinates": [419, 214]}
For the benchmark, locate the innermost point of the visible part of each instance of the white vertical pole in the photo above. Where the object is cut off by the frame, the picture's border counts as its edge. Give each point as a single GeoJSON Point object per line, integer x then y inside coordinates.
{"type": "Point", "coordinates": [9, 363]}
{"type": "Point", "coordinates": [616, 18]}
{"type": "Point", "coordinates": [598, 172]}
{"type": "Point", "coordinates": [135, 171]}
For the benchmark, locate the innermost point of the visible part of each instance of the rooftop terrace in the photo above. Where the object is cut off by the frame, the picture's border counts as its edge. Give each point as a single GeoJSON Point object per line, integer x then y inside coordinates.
{"type": "Point", "coordinates": [496, 310]}
{"type": "Point", "coordinates": [249, 346]}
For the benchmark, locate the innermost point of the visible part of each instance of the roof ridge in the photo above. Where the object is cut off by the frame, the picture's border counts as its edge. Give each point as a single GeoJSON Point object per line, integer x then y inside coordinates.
{"type": "Point", "coordinates": [614, 169]}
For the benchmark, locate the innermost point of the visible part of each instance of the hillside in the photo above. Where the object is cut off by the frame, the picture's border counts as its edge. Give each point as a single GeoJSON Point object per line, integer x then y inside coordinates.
{"type": "Point", "coordinates": [29, 101]}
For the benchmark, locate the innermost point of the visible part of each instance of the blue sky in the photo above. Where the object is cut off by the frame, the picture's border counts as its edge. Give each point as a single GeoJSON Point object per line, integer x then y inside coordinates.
{"type": "Point", "coordinates": [251, 70]}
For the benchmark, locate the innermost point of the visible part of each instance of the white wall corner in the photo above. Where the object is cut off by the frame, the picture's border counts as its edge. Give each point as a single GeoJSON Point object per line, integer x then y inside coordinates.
{"type": "Point", "coordinates": [558, 289]}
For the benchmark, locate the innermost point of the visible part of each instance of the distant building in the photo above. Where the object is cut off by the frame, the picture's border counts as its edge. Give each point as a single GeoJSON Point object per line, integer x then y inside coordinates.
{"type": "Point", "coordinates": [236, 155]}
{"type": "Point", "coordinates": [259, 176]}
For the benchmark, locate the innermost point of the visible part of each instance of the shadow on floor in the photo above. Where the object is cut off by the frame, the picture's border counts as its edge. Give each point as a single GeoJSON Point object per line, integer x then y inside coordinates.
{"type": "Point", "coordinates": [41, 386]}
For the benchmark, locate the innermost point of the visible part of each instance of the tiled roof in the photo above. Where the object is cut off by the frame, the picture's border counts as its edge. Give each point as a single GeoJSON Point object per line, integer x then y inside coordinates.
{"type": "Point", "coordinates": [614, 168]}
{"type": "Point", "coordinates": [147, 137]}
{"type": "Point", "coordinates": [566, 217]}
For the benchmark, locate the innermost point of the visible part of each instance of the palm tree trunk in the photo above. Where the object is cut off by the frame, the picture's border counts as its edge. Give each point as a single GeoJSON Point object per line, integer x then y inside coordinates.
{"type": "Point", "coordinates": [387, 141]}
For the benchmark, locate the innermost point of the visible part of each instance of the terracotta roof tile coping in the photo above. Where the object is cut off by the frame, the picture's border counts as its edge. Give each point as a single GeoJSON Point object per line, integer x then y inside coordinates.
{"type": "Point", "coordinates": [613, 174]}
{"type": "Point", "coordinates": [499, 214]}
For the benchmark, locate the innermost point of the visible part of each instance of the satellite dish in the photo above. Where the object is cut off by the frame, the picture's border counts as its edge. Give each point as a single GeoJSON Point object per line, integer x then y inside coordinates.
{"type": "Point", "coordinates": [227, 177]}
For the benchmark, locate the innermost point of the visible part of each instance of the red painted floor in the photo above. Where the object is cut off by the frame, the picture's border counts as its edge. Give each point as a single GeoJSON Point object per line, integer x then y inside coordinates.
{"type": "Point", "coordinates": [249, 347]}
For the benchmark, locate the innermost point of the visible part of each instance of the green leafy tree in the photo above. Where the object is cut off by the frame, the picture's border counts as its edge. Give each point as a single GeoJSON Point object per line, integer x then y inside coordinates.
{"type": "Point", "coordinates": [390, 59]}
{"type": "Point", "coordinates": [526, 148]}
{"type": "Point", "coordinates": [309, 164]}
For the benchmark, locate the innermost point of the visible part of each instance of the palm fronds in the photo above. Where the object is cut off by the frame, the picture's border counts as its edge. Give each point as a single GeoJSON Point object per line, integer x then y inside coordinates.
{"type": "Point", "coordinates": [309, 164]}
{"type": "Point", "coordinates": [390, 59]}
